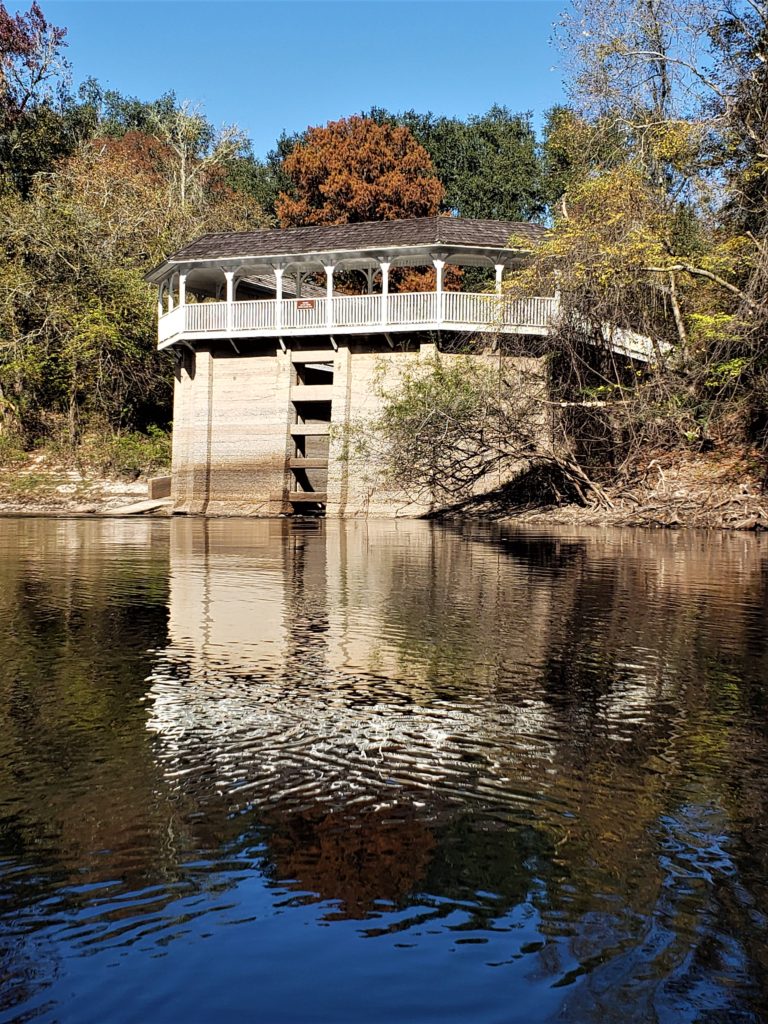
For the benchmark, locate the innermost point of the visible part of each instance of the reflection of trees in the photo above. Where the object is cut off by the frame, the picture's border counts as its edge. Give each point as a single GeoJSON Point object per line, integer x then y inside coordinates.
{"type": "Point", "coordinates": [74, 650]}
{"type": "Point", "coordinates": [75, 626]}
{"type": "Point", "coordinates": [423, 717]}
{"type": "Point", "coordinates": [355, 860]}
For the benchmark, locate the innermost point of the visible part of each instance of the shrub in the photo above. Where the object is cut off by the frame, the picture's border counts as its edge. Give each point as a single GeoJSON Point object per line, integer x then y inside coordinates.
{"type": "Point", "coordinates": [132, 454]}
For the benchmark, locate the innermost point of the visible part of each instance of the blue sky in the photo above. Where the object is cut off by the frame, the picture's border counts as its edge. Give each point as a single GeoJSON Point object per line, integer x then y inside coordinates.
{"type": "Point", "coordinates": [286, 64]}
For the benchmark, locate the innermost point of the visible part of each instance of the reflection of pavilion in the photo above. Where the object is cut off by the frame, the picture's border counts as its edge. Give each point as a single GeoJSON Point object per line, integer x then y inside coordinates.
{"type": "Point", "coordinates": [300, 682]}
{"type": "Point", "coordinates": [361, 680]}
{"type": "Point", "coordinates": [298, 685]}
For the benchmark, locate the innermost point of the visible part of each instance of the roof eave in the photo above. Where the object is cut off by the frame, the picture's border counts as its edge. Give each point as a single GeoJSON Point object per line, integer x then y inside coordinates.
{"type": "Point", "coordinates": [156, 275]}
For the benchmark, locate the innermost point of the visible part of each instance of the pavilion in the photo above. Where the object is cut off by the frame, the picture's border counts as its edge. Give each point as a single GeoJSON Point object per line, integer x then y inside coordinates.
{"type": "Point", "coordinates": [283, 335]}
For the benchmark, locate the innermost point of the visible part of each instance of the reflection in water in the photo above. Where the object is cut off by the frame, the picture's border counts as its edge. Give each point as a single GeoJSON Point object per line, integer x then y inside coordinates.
{"type": "Point", "coordinates": [381, 769]}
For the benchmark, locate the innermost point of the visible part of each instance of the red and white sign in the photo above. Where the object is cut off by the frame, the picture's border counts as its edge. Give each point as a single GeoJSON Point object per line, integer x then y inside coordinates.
{"type": "Point", "coordinates": [305, 304]}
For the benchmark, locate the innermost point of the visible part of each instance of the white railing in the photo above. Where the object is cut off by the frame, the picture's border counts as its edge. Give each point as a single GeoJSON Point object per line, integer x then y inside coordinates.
{"type": "Point", "coordinates": [357, 310]}
{"type": "Point", "coordinates": [258, 315]}
{"type": "Point", "coordinates": [471, 308]}
{"type": "Point", "coordinates": [539, 311]}
{"type": "Point", "coordinates": [466, 310]}
{"type": "Point", "coordinates": [206, 317]}
{"type": "Point", "coordinates": [412, 308]}
{"type": "Point", "coordinates": [170, 324]}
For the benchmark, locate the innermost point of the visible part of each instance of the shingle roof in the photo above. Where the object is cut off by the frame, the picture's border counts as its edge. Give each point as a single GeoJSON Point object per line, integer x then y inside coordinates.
{"type": "Point", "coordinates": [368, 235]}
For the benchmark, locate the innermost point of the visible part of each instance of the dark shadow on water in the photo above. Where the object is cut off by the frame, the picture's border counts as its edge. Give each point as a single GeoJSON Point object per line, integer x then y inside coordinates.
{"type": "Point", "coordinates": [534, 489]}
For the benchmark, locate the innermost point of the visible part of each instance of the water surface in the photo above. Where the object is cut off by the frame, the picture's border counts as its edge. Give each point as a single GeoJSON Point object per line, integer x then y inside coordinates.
{"type": "Point", "coordinates": [381, 771]}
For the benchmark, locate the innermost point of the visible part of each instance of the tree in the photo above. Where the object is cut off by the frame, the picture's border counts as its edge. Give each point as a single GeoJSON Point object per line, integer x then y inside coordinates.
{"type": "Point", "coordinates": [573, 149]}
{"type": "Point", "coordinates": [263, 180]}
{"type": "Point", "coordinates": [78, 320]}
{"type": "Point", "coordinates": [195, 145]}
{"type": "Point", "coordinates": [488, 163]}
{"type": "Point", "coordinates": [357, 170]}
{"type": "Point", "coordinates": [39, 123]}
{"type": "Point", "coordinates": [740, 86]}
{"type": "Point", "coordinates": [657, 165]}
{"type": "Point", "coordinates": [642, 64]}
{"type": "Point", "coordinates": [452, 428]}
{"type": "Point", "coordinates": [32, 68]}
{"type": "Point", "coordinates": [186, 131]}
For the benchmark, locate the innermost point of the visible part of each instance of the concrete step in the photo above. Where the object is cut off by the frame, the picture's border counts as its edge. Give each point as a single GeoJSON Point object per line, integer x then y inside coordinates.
{"type": "Point", "coordinates": [319, 355]}
{"type": "Point", "coordinates": [312, 392]}
{"type": "Point", "coordinates": [302, 463]}
{"type": "Point", "coordinates": [307, 497]}
{"type": "Point", "coordinates": [159, 487]}
{"type": "Point", "coordinates": [138, 507]}
{"type": "Point", "coordinates": [310, 429]}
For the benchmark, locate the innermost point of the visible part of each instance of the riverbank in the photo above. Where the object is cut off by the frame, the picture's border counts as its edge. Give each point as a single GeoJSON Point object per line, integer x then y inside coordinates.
{"type": "Point", "coordinates": [723, 493]}
{"type": "Point", "coordinates": [43, 485]}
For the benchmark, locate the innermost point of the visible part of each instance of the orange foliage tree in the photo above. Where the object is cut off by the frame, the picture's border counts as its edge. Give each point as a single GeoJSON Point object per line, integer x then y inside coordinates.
{"type": "Point", "coordinates": [356, 170]}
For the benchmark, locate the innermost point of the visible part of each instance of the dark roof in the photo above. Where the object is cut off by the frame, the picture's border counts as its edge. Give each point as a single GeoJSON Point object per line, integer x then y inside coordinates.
{"type": "Point", "coordinates": [493, 234]}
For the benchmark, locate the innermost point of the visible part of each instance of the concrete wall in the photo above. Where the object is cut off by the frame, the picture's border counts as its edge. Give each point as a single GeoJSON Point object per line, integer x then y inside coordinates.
{"type": "Point", "coordinates": [356, 487]}
{"type": "Point", "coordinates": [230, 433]}
{"type": "Point", "coordinates": [231, 438]}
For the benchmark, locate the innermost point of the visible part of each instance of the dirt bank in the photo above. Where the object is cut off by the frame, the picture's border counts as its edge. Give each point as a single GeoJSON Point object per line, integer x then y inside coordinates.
{"type": "Point", "coordinates": [42, 486]}
{"type": "Point", "coordinates": [723, 492]}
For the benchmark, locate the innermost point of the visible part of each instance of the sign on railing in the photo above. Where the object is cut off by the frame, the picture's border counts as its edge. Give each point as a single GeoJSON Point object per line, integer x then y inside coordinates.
{"type": "Point", "coordinates": [295, 316]}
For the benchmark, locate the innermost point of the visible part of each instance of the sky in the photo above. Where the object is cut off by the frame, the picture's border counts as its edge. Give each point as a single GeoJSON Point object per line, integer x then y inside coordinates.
{"type": "Point", "coordinates": [287, 64]}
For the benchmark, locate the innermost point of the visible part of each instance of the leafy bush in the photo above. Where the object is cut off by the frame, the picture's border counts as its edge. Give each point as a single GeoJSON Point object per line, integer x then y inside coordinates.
{"type": "Point", "coordinates": [132, 454]}
{"type": "Point", "coordinates": [11, 449]}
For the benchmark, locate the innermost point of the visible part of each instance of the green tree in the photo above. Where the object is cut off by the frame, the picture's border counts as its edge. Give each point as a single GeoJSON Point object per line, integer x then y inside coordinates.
{"type": "Point", "coordinates": [39, 120]}
{"type": "Point", "coordinates": [454, 427]}
{"type": "Point", "coordinates": [488, 163]}
{"type": "Point", "coordinates": [660, 170]}
{"type": "Point", "coordinates": [78, 320]}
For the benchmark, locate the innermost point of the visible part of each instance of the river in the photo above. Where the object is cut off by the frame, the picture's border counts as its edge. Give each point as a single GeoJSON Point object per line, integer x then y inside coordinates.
{"type": "Point", "coordinates": [381, 771]}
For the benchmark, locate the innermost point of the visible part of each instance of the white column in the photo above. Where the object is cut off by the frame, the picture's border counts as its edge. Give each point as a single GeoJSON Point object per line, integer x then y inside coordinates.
{"type": "Point", "coordinates": [329, 269]}
{"type": "Point", "coordinates": [384, 292]}
{"type": "Point", "coordinates": [182, 289]}
{"type": "Point", "coordinates": [159, 301]}
{"type": "Point", "coordinates": [439, 268]}
{"type": "Point", "coordinates": [499, 274]}
{"type": "Point", "coordinates": [279, 297]}
{"type": "Point", "coordinates": [230, 276]}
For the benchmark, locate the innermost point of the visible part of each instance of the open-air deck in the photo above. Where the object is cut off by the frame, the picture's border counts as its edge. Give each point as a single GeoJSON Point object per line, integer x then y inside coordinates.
{"type": "Point", "coordinates": [355, 314]}
{"type": "Point", "coordinates": [301, 281]}
{"type": "Point", "coordinates": [284, 339]}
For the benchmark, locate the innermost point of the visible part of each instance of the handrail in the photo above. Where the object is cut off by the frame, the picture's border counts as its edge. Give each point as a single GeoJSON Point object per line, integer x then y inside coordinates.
{"type": "Point", "coordinates": [402, 309]}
